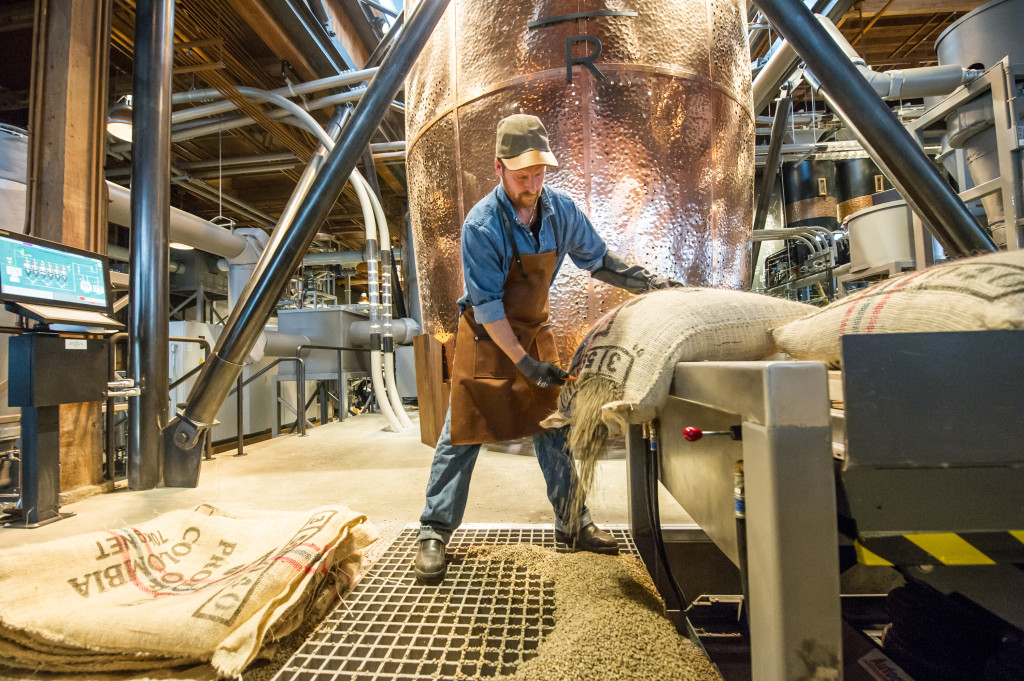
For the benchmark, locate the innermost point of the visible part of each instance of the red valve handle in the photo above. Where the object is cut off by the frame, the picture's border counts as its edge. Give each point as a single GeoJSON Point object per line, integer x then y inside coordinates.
{"type": "Point", "coordinates": [692, 433]}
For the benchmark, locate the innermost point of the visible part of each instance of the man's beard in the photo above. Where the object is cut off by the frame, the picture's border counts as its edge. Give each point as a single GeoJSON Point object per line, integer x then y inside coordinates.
{"type": "Point", "coordinates": [522, 201]}
{"type": "Point", "coordinates": [529, 202]}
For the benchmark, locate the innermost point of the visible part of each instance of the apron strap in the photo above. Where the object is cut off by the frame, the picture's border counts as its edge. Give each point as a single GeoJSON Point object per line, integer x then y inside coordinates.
{"type": "Point", "coordinates": [512, 237]}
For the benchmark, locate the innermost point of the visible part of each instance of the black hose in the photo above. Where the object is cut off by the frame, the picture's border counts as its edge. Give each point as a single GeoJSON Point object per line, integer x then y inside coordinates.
{"type": "Point", "coordinates": [653, 464]}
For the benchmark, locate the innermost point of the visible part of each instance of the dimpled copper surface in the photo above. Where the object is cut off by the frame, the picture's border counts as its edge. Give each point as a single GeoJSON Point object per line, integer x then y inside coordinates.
{"type": "Point", "coordinates": [659, 152]}
{"type": "Point", "coordinates": [433, 207]}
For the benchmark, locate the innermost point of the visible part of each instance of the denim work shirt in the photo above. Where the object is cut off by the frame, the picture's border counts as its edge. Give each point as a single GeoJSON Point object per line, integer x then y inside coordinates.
{"type": "Point", "coordinates": [487, 251]}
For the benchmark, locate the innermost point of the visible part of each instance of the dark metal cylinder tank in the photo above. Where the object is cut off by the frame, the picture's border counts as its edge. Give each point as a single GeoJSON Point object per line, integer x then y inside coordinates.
{"type": "Point", "coordinates": [810, 191]}
{"type": "Point", "coordinates": [856, 180]}
{"type": "Point", "coordinates": [655, 143]}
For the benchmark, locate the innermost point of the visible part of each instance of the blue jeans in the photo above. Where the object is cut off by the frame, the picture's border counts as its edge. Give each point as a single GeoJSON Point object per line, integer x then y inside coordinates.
{"type": "Point", "coordinates": [452, 468]}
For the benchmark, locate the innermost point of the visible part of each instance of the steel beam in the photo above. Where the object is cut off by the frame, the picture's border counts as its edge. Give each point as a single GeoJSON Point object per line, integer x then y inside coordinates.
{"type": "Point", "coordinates": [184, 436]}
{"type": "Point", "coordinates": [151, 216]}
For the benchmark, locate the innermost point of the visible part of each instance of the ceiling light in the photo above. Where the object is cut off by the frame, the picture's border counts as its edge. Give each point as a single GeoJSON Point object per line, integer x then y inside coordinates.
{"type": "Point", "coordinates": [178, 246]}
{"type": "Point", "coordinates": [119, 120]}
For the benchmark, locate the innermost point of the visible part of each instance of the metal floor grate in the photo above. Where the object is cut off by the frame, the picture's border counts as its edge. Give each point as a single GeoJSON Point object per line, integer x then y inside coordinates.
{"type": "Point", "coordinates": [483, 621]}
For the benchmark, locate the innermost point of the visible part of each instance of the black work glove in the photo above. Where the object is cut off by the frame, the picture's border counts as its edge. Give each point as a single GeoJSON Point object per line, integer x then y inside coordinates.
{"type": "Point", "coordinates": [658, 283]}
{"type": "Point", "coordinates": [633, 278]}
{"type": "Point", "coordinates": [541, 374]}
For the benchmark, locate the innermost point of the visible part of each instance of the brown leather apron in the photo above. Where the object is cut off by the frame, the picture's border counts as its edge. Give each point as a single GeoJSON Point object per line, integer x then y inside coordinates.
{"type": "Point", "coordinates": [491, 399]}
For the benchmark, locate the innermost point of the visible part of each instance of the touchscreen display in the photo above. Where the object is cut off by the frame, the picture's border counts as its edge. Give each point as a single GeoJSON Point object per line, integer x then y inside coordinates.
{"type": "Point", "coordinates": [50, 276]}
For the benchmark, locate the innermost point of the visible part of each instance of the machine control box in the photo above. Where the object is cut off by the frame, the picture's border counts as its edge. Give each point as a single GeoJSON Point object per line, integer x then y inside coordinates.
{"type": "Point", "coordinates": [46, 370]}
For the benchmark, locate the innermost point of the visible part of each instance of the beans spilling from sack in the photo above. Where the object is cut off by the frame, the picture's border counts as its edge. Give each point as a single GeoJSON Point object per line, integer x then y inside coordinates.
{"type": "Point", "coordinates": [609, 621]}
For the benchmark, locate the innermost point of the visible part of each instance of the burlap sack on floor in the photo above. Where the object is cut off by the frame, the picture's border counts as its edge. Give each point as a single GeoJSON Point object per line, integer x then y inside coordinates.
{"type": "Point", "coordinates": [974, 294]}
{"type": "Point", "coordinates": [624, 364]}
{"type": "Point", "coordinates": [189, 586]}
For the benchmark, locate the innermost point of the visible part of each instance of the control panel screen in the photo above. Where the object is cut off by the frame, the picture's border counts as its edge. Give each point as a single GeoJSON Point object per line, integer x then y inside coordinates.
{"type": "Point", "coordinates": [58, 276]}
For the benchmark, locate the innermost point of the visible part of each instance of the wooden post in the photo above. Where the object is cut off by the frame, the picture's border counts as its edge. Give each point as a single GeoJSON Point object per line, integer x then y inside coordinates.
{"type": "Point", "coordinates": [66, 187]}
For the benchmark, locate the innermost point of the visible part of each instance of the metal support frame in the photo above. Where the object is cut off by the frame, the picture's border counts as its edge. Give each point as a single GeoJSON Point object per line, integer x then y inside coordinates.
{"type": "Point", "coordinates": [300, 392]}
{"type": "Point", "coordinates": [284, 252]}
{"type": "Point", "coordinates": [111, 407]}
{"type": "Point", "coordinates": [150, 217]}
{"type": "Point", "coordinates": [786, 450]}
{"type": "Point", "coordinates": [1007, 109]}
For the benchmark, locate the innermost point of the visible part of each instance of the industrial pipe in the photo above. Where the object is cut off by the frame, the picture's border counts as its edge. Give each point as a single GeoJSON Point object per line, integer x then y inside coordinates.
{"type": "Point", "coordinates": [373, 293]}
{"type": "Point", "coordinates": [778, 70]}
{"type": "Point", "coordinates": [122, 254]}
{"type": "Point", "coordinates": [150, 219]}
{"type": "Point", "coordinates": [404, 330]}
{"type": "Point", "coordinates": [292, 90]}
{"type": "Point", "coordinates": [387, 335]}
{"type": "Point", "coordinates": [927, 81]}
{"type": "Point", "coordinates": [185, 434]}
{"type": "Point", "coordinates": [886, 140]}
{"type": "Point", "coordinates": [184, 227]}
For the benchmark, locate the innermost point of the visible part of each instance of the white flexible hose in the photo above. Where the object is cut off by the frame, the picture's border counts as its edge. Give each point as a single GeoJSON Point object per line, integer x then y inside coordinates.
{"type": "Point", "coordinates": [388, 332]}
{"type": "Point", "coordinates": [385, 388]}
{"type": "Point", "coordinates": [376, 377]}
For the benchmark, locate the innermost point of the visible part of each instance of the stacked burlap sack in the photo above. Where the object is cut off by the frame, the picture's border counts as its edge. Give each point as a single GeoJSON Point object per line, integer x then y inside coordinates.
{"type": "Point", "coordinates": [974, 294]}
{"type": "Point", "coordinates": [625, 363]}
{"type": "Point", "coordinates": [189, 587]}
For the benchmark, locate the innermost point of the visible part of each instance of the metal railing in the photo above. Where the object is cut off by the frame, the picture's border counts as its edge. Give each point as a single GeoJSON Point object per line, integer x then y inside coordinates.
{"type": "Point", "coordinates": [337, 349]}
{"type": "Point", "coordinates": [300, 399]}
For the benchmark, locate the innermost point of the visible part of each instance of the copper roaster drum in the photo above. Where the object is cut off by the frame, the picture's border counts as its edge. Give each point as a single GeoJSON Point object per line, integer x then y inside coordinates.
{"type": "Point", "coordinates": [659, 151]}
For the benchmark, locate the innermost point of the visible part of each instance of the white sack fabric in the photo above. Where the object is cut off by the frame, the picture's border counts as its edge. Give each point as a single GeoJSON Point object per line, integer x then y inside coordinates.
{"type": "Point", "coordinates": [187, 587]}
{"type": "Point", "coordinates": [974, 294]}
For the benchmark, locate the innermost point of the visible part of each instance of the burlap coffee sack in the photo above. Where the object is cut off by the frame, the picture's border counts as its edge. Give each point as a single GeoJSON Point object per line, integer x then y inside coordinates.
{"type": "Point", "coordinates": [187, 586]}
{"type": "Point", "coordinates": [624, 364]}
{"type": "Point", "coordinates": [974, 294]}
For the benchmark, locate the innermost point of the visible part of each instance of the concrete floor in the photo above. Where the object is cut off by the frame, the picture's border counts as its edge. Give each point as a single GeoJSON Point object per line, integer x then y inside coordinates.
{"type": "Point", "coordinates": [356, 463]}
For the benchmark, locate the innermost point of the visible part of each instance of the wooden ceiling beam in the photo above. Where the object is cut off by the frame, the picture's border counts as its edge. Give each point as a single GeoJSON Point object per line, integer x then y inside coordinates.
{"type": "Point", "coordinates": [257, 16]}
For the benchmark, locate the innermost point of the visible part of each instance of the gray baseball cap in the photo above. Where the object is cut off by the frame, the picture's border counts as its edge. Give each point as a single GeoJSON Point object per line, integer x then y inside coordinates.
{"type": "Point", "coordinates": [522, 141]}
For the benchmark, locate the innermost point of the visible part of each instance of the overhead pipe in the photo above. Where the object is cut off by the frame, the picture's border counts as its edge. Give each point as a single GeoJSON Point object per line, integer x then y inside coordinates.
{"type": "Point", "coordinates": [784, 60]}
{"type": "Point", "coordinates": [183, 133]}
{"type": "Point", "coordinates": [780, 68]}
{"type": "Point", "coordinates": [293, 90]}
{"type": "Point", "coordinates": [185, 435]}
{"type": "Point", "coordinates": [926, 81]}
{"type": "Point", "coordinates": [886, 140]}
{"type": "Point", "coordinates": [188, 166]}
{"type": "Point", "coordinates": [150, 219]}
{"type": "Point", "coordinates": [184, 227]}
{"type": "Point", "coordinates": [122, 254]}
{"type": "Point", "coordinates": [204, 189]}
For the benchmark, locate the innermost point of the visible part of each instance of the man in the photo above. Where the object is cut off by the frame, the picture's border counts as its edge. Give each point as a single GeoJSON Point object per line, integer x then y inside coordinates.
{"type": "Point", "coordinates": [506, 376]}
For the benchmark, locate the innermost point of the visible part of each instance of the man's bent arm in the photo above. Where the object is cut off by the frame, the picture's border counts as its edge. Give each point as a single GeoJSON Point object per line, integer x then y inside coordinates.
{"type": "Point", "coordinates": [502, 334]}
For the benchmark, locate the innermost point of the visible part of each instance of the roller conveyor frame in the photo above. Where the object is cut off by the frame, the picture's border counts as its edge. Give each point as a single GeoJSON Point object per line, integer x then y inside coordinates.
{"type": "Point", "coordinates": [808, 469]}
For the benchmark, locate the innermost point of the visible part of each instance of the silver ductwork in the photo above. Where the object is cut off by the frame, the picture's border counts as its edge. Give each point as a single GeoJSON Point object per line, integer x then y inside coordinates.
{"type": "Point", "coordinates": [185, 227]}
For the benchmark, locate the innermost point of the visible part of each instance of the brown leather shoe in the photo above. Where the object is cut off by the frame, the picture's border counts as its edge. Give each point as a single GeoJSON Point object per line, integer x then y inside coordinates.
{"type": "Point", "coordinates": [590, 538]}
{"type": "Point", "coordinates": [429, 566]}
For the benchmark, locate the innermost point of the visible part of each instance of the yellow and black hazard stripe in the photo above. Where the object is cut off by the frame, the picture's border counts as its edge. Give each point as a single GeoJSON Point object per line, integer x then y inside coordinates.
{"type": "Point", "coordinates": [942, 548]}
